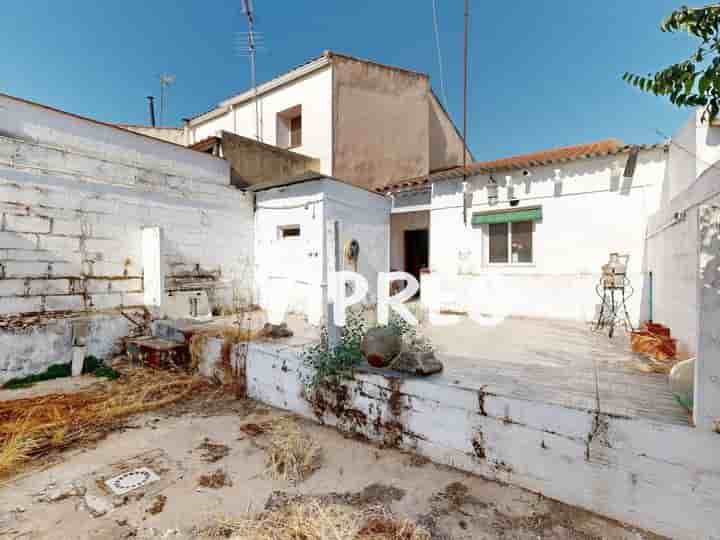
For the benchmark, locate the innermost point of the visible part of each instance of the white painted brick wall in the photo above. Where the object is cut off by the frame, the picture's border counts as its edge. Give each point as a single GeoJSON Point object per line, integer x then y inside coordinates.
{"type": "Point", "coordinates": [26, 224]}
{"type": "Point", "coordinates": [12, 287]}
{"type": "Point", "coordinates": [78, 197]}
{"type": "Point", "coordinates": [14, 305]}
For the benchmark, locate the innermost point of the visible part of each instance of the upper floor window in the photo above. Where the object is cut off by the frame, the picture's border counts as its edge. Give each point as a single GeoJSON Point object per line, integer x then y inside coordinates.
{"type": "Point", "coordinates": [289, 127]}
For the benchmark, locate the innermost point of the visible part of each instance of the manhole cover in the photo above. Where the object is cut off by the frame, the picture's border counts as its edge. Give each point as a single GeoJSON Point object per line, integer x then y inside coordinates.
{"type": "Point", "coordinates": [131, 480]}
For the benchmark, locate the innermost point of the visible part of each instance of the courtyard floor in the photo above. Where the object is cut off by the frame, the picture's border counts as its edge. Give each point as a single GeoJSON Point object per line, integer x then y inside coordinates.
{"type": "Point", "coordinates": [57, 499]}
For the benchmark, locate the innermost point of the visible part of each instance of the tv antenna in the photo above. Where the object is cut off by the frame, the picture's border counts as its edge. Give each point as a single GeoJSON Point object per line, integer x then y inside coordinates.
{"type": "Point", "coordinates": [250, 50]}
{"type": "Point", "coordinates": [165, 81]}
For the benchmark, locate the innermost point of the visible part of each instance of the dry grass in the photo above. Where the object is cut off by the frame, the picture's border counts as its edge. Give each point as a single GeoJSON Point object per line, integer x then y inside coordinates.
{"type": "Point", "coordinates": [313, 521]}
{"type": "Point", "coordinates": [231, 334]}
{"type": "Point", "coordinates": [215, 480]}
{"type": "Point", "coordinates": [291, 454]}
{"type": "Point", "coordinates": [33, 427]}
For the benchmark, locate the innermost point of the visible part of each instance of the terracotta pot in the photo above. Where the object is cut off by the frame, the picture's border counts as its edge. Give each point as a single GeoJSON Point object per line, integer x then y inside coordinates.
{"type": "Point", "coordinates": [380, 346]}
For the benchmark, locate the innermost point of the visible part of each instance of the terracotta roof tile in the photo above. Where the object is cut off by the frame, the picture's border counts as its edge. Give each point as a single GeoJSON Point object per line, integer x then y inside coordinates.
{"type": "Point", "coordinates": [534, 159]}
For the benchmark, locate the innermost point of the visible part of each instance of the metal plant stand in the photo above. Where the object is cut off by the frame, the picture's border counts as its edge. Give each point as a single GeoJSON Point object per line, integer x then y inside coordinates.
{"type": "Point", "coordinates": [614, 294]}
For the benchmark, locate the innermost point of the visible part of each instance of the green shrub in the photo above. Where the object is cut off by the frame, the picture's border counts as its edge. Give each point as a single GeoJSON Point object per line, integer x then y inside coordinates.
{"type": "Point", "coordinates": [326, 364]}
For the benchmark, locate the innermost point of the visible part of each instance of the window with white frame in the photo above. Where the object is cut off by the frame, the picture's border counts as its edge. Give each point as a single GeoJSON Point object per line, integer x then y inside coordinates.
{"type": "Point", "coordinates": [510, 243]}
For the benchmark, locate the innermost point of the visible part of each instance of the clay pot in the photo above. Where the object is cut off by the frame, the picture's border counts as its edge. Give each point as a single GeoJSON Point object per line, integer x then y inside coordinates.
{"type": "Point", "coordinates": [380, 346]}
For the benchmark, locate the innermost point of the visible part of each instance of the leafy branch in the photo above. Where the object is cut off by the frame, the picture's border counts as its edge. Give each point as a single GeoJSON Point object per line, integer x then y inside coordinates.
{"type": "Point", "coordinates": [694, 82]}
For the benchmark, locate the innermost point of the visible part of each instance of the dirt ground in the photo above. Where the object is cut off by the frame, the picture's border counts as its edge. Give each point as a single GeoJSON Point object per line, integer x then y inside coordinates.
{"type": "Point", "coordinates": [209, 458]}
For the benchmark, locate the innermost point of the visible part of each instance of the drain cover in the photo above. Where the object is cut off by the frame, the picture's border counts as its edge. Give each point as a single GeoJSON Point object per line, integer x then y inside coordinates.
{"type": "Point", "coordinates": [131, 480]}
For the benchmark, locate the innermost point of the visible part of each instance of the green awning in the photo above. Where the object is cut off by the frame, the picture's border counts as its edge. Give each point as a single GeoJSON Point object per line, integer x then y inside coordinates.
{"type": "Point", "coordinates": [508, 216]}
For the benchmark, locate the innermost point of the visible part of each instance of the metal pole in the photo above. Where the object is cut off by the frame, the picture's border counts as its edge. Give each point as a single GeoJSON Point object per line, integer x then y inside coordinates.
{"type": "Point", "coordinates": [151, 104]}
{"type": "Point", "coordinates": [465, 96]}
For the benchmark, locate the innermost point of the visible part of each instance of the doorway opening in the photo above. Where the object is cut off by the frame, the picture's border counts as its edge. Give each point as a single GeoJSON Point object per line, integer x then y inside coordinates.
{"type": "Point", "coordinates": [417, 253]}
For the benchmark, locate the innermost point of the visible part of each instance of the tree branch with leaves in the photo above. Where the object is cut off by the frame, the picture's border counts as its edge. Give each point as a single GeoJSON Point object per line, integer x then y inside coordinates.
{"type": "Point", "coordinates": [694, 82]}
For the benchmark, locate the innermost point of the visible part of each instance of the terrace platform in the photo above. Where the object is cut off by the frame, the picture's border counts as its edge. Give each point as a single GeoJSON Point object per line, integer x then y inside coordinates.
{"type": "Point", "coordinates": [557, 362]}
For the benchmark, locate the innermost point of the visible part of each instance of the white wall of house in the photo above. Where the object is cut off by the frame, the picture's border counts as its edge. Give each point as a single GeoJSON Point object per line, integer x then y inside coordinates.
{"type": "Point", "coordinates": [587, 213]}
{"type": "Point", "coordinates": [291, 268]}
{"type": "Point", "coordinates": [313, 93]}
{"type": "Point", "coordinates": [694, 149]}
{"type": "Point", "coordinates": [75, 196]}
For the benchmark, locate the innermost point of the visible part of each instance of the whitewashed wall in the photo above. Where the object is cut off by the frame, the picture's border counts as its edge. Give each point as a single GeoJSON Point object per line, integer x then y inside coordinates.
{"type": "Point", "coordinates": [291, 268]}
{"type": "Point", "coordinates": [588, 214]}
{"type": "Point", "coordinates": [74, 197]}
{"type": "Point", "coordinates": [365, 217]}
{"type": "Point", "coordinates": [313, 92]}
{"type": "Point", "coordinates": [672, 247]}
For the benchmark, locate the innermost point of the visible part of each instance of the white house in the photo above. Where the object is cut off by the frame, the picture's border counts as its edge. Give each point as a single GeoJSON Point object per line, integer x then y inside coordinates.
{"type": "Point", "coordinates": [527, 235]}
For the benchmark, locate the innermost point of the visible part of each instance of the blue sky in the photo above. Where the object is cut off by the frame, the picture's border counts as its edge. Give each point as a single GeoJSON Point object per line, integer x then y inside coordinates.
{"type": "Point", "coordinates": [542, 73]}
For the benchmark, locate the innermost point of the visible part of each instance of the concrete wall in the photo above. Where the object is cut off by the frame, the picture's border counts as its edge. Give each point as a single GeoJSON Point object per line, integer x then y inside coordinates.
{"type": "Point", "coordinates": [291, 269]}
{"type": "Point", "coordinates": [446, 144]}
{"type": "Point", "coordinates": [381, 119]}
{"type": "Point", "coordinates": [661, 477]}
{"type": "Point", "coordinates": [587, 214]}
{"type": "Point", "coordinates": [31, 348]}
{"type": "Point", "coordinates": [399, 223]}
{"type": "Point", "coordinates": [74, 198]}
{"type": "Point", "coordinates": [168, 134]}
{"type": "Point", "coordinates": [252, 162]}
{"type": "Point", "coordinates": [312, 92]}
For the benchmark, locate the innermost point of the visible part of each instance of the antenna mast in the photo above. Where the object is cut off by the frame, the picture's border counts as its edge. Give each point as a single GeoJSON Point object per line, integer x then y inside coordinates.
{"type": "Point", "coordinates": [165, 81]}
{"type": "Point", "coordinates": [247, 6]}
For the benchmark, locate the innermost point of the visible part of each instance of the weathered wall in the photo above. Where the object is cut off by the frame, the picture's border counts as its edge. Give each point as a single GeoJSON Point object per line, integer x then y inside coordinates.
{"type": "Point", "coordinates": [590, 213]}
{"type": "Point", "coordinates": [169, 134]}
{"type": "Point", "coordinates": [661, 477]}
{"type": "Point", "coordinates": [32, 347]}
{"type": "Point", "coordinates": [381, 118]}
{"type": "Point", "coordinates": [312, 92]}
{"type": "Point", "coordinates": [75, 196]}
{"type": "Point", "coordinates": [446, 144]}
{"type": "Point", "coordinates": [252, 162]}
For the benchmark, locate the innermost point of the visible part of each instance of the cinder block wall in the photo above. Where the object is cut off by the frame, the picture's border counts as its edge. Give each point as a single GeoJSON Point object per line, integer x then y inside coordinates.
{"type": "Point", "coordinates": [74, 197]}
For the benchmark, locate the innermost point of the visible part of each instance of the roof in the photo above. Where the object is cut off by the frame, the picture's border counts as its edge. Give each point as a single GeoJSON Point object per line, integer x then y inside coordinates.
{"type": "Point", "coordinates": [307, 67]}
{"type": "Point", "coordinates": [300, 179]}
{"type": "Point", "coordinates": [147, 126]}
{"type": "Point", "coordinates": [564, 154]}
{"type": "Point", "coordinates": [86, 118]}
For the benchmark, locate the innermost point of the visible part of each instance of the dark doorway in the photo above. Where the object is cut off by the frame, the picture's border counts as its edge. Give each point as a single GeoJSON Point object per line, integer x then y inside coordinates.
{"type": "Point", "coordinates": [416, 251]}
